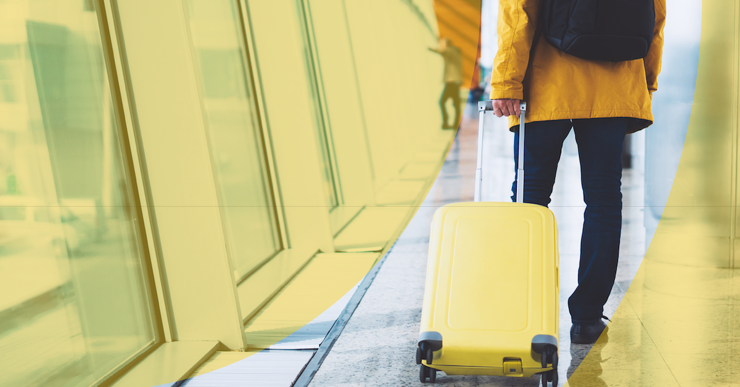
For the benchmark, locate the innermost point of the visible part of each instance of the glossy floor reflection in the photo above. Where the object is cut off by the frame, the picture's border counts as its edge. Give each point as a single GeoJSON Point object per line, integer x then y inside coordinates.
{"type": "Point", "coordinates": [377, 346]}
{"type": "Point", "coordinates": [677, 326]}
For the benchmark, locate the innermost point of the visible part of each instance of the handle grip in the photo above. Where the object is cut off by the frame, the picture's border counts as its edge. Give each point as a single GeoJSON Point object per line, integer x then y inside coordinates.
{"type": "Point", "coordinates": [487, 106]}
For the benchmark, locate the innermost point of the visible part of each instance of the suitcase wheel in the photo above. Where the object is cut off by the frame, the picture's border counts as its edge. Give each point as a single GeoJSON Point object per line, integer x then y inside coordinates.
{"type": "Point", "coordinates": [549, 376]}
{"type": "Point", "coordinates": [552, 375]}
{"type": "Point", "coordinates": [426, 372]}
{"type": "Point", "coordinates": [549, 356]}
{"type": "Point", "coordinates": [426, 352]}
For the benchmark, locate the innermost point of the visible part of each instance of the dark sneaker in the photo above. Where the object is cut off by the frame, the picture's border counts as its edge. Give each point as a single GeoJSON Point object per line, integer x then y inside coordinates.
{"type": "Point", "coordinates": [586, 333]}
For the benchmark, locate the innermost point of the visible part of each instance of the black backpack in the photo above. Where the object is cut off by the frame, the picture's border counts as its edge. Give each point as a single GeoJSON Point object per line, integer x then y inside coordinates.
{"type": "Point", "coordinates": [612, 30]}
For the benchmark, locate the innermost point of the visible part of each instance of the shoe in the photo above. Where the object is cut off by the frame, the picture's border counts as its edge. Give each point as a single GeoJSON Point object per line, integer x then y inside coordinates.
{"type": "Point", "coordinates": [586, 333]}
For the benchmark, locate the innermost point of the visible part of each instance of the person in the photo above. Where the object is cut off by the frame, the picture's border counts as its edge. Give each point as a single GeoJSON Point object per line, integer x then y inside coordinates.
{"type": "Point", "coordinates": [453, 79]}
{"type": "Point", "coordinates": [602, 102]}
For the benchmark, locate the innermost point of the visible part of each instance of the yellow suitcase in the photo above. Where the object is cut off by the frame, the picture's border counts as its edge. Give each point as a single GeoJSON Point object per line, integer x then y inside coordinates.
{"type": "Point", "coordinates": [491, 296]}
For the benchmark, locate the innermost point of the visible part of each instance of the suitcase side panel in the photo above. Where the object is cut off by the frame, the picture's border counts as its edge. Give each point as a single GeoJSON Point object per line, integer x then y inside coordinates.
{"type": "Point", "coordinates": [430, 286]}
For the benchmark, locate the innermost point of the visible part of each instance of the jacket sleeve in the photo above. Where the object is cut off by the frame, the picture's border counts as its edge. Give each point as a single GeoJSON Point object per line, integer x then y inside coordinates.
{"type": "Point", "coordinates": [517, 22]}
{"type": "Point", "coordinates": [655, 54]}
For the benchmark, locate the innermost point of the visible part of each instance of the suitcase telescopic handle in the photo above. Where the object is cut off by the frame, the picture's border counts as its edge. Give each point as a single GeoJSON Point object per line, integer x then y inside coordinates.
{"type": "Point", "coordinates": [487, 106]}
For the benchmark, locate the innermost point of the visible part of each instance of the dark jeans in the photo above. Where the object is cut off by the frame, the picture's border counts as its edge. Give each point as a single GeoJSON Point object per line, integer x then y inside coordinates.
{"type": "Point", "coordinates": [600, 152]}
{"type": "Point", "coordinates": [452, 90]}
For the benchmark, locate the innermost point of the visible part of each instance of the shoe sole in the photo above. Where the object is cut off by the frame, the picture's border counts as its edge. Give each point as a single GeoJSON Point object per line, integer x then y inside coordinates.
{"type": "Point", "coordinates": [583, 340]}
{"type": "Point", "coordinates": [578, 339]}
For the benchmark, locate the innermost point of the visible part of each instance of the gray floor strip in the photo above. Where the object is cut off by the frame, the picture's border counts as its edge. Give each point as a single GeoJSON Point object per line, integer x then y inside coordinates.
{"type": "Point", "coordinates": [313, 365]}
{"type": "Point", "coordinates": [266, 368]}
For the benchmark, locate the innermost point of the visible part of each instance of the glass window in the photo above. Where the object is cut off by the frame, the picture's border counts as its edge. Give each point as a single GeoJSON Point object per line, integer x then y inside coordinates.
{"type": "Point", "coordinates": [235, 141]}
{"type": "Point", "coordinates": [323, 137]}
{"type": "Point", "coordinates": [279, 69]}
{"type": "Point", "coordinates": [74, 296]}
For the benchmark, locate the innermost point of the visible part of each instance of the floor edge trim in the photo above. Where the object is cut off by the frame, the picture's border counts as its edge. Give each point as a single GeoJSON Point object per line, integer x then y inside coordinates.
{"type": "Point", "coordinates": [313, 365]}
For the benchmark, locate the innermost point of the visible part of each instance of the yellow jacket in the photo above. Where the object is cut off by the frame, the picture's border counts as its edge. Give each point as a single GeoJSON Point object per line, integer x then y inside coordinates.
{"type": "Point", "coordinates": [560, 86]}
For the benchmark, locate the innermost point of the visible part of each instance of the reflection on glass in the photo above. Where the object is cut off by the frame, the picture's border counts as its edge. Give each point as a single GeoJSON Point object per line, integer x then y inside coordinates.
{"type": "Point", "coordinates": [236, 146]}
{"type": "Point", "coordinates": [288, 73]}
{"type": "Point", "coordinates": [74, 299]}
{"type": "Point", "coordinates": [327, 169]}
{"type": "Point", "coordinates": [323, 136]}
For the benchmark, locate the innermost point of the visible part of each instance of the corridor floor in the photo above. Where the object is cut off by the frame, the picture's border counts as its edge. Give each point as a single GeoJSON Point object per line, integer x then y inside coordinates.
{"type": "Point", "coordinates": [376, 347]}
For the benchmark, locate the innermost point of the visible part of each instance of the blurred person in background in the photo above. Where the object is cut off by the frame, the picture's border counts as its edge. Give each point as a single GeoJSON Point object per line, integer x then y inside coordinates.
{"type": "Point", "coordinates": [453, 79]}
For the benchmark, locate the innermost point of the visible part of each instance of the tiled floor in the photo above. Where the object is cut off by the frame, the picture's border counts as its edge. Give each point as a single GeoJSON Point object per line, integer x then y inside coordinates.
{"type": "Point", "coordinates": [377, 346]}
